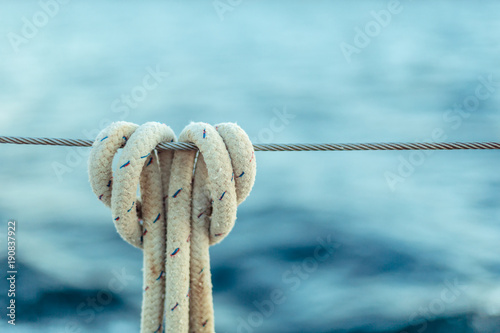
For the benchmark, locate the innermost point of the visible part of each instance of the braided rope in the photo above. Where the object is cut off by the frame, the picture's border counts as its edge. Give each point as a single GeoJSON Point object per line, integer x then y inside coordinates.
{"type": "Point", "coordinates": [206, 217]}
{"type": "Point", "coordinates": [277, 147]}
{"type": "Point", "coordinates": [199, 190]}
{"type": "Point", "coordinates": [139, 165]}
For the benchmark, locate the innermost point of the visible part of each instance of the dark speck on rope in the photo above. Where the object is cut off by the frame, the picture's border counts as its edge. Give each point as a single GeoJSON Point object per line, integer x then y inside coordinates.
{"type": "Point", "coordinates": [175, 252]}
{"type": "Point", "coordinates": [143, 234]}
{"type": "Point", "coordinates": [222, 196]}
{"type": "Point", "coordinates": [177, 193]}
{"type": "Point", "coordinates": [175, 307]}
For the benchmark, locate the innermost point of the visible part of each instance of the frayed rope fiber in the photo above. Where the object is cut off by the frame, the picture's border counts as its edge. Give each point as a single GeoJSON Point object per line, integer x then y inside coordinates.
{"type": "Point", "coordinates": [188, 201]}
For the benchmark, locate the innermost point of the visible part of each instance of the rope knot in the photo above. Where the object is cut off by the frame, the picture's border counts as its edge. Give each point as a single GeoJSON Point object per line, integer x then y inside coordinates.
{"type": "Point", "coordinates": [224, 174]}
{"type": "Point", "coordinates": [199, 191]}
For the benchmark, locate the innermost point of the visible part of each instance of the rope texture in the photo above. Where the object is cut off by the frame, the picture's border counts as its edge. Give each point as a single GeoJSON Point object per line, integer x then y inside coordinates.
{"type": "Point", "coordinates": [204, 232]}
{"type": "Point", "coordinates": [199, 190]}
{"type": "Point", "coordinates": [278, 147]}
{"type": "Point", "coordinates": [138, 165]}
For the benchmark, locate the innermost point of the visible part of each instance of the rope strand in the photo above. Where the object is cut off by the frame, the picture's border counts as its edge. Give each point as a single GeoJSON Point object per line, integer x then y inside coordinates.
{"type": "Point", "coordinates": [277, 147]}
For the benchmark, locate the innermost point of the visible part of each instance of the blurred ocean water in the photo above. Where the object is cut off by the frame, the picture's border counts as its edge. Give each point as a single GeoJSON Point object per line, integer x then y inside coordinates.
{"type": "Point", "coordinates": [415, 253]}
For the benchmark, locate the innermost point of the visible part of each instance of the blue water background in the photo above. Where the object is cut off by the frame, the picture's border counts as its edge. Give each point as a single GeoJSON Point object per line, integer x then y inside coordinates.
{"type": "Point", "coordinates": [398, 248]}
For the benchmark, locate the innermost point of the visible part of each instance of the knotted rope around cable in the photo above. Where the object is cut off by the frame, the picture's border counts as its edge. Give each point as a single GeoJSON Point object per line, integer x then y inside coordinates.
{"type": "Point", "coordinates": [138, 163]}
{"type": "Point", "coordinates": [200, 195]}
{"type": "Point", "coordinates": [203, 210]}
{"type": "Point", "coordinates": [204, 233]}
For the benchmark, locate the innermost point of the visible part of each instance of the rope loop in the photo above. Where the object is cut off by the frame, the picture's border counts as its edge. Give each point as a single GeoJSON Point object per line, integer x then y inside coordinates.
{"type": "Point", "coordinates": [227, 154]}
{"type": "Point", "coordinates": [137, 165]}
{"type": "Point", "coordinates": [104, 148]}
{"type": "Point", "coordinates": [138, 158]}
{"type": "Point", "coordinates": [219, 186]}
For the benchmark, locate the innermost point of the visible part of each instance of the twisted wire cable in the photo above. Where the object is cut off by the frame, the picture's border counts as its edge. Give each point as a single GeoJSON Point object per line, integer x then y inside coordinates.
{"type": "Point", "coordinates": [277, 147]}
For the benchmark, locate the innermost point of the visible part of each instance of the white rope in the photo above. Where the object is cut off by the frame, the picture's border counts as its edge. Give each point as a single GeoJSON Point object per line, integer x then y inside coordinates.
{"type": "Point", "coordinates": [201, 211]}
{"type": "Point", "coordinates": [242, 172]}
{"type": "Point", "coordinates": [138, 163]}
